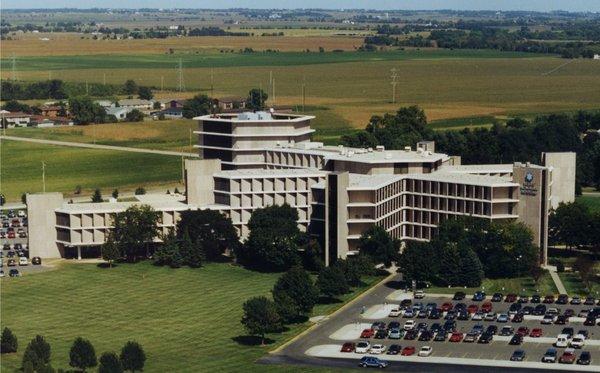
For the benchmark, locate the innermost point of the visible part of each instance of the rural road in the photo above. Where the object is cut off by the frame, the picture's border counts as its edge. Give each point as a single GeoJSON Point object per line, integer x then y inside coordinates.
{"type": "Point", "coordinates": [99, 146]}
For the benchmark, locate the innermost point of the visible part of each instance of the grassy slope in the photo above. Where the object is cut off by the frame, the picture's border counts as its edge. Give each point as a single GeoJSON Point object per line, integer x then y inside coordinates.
{"type": "Point", "coordinates": [68, 167]}
{"type": "Point", "coordinates": [592, 201]}
{"type": "Point", "coordinates": [505, 286]}
{"type": "Point", "coordinates": [187, 320]}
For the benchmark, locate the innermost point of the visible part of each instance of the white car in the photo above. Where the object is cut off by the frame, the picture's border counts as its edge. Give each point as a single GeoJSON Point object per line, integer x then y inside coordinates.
{"type": "Point", "coordinates": [478, 316]}
{"type": "Point", "coordinates": [23, 261]}
{"type": "Point", "coordinates": [578, 341]}
{"type": "Point", "coordinates": [425, 351]}
{"type": "Point", "coordinates": [409, 325]}
{"type": "Point", "coordinates": [395, 312]}
{"type": "Point", "coordinates": [562, 340]}
{"type": "Point", "coordinates": [547, 320]}
{"type": "Point", "coordinates": [377, 349]}
{"type": "Point", "coordinates": [490, 316]}
{"type": "Point", "coordinates": [362, 347]}
{"type": "Point", "coordinates": [419, 294]}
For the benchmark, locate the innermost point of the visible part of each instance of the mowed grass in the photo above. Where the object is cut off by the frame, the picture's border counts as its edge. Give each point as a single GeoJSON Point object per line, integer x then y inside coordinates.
{"type": "Point", "coordinates": [591, 200]}
{"type": "Point", "coordinates": [162, 135]}
{"type": "Point", "coordinates": [187, 320]}
{"type": "Point", "coordinates": [519, 285]}
{"type": "Point", "coordinates": [575, 286]}
{"type": "Point", "coordinates": [68, 167]}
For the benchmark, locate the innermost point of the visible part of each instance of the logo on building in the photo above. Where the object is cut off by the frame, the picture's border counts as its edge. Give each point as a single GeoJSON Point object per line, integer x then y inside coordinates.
{"type": "Point", "coordinates": [528, 188]}
{"type": "Point", "coordinates": [529, 177]}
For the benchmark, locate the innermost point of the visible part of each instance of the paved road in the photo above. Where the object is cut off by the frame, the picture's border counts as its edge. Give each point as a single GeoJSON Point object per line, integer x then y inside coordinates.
{"type": "Point", "coordinates": [99, 146]}
{"type": "Point", "coordinates": [499, 349]}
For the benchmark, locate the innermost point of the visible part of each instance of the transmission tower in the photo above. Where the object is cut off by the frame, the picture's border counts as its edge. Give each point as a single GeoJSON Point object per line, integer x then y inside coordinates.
{"type": "Point", "coordinates": [181, 85]}
{"type": "Point", "coordinates": [393, 77]}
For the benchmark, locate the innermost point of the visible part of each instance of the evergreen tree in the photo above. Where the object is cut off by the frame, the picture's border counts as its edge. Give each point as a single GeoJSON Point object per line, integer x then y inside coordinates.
{"type": "Point", "coordinates": [37, 354]}
{"type": "Point", "coordinates": [97, 196]}
{"type": "Point", "coordinates": [332, 282]}
{"type": "Point", "coordinates": [110, 363]}
{"type": "Point", "coordinates": [379, 245]}
{"type": "Point", "coordinates": [115, 193]}
{"type": "Point", "coordinates": [471, 269]}
{"type": "Point", "coordinates": [31, 361]}
{"type": "Point", "coordinates": [130, 87]}
{"type": "Point", "coordinates": [260, 317]}
{"type": "Point", "coordinates": [196, 256]}
{"type": "Point", "coordinates": [82, 354]}
{"type": "Point", "coordinates": [297, 286]}
{"type": "Point", "coordinates": [449, 273]}
{"type": "Point", "coordinates": [256, 99]}
{"type": "Point", "coordinates": [8, 341]}
{"type": "Point", "coordinates": [145, 93]}
{"type": "Point", "coordinates": [110, 250]}
{"type": "Point", "coordinates": [133, 356]}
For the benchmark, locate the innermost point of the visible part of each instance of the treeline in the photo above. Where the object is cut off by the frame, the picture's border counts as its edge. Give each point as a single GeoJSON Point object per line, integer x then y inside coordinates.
{"type": "Point", "coordinates": [54, 89]}
{"type": "Point", "coordinates": [214, 31]}
{"type": "Point", "coordinates": [466, 250]}
{"type": "Point", "coordinates": [518, 140]}
{"type": "Point", "coordinates": [575, 226]}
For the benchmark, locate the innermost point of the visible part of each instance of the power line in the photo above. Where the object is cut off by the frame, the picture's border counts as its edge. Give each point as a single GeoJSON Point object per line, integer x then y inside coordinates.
{"type": "Point", "coordinates": [14, 68]}
{"type": "Point", "coordinates": [394, 76]}
{"type": "Point", "coordinates": [181, 84]}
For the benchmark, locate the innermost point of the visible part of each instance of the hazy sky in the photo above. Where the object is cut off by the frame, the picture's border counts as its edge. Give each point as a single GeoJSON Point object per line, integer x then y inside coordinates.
{"type": "Point", "coordinates": [540, 5]}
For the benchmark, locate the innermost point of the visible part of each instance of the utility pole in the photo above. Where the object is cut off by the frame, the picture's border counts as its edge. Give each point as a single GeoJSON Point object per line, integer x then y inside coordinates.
{"type": "Point", "coordinates": [273, 88]}
{"type": "Point", "coordinates": [87, 88]}
{"type": "Point", "coordinates": [271, 84]}
{"type": "Point", "coordinates": [181, 83]}
{"type": "Point", "coordinates": [44, 176]}
{"type": "Point", "coordinates": [191, 148]}
{"type": "Point", "coordinates": [162, 83]}
{"type": "Point", "coordinates": [394, 76]}
{"type": "Point", "coordinates": [14, 68]}
{"type": "Point", "coordinates": [303, 93]}
{"type": "Point", "coordinates": [212, 85]}
{"type": "Point", "coordinates": [103, 78]}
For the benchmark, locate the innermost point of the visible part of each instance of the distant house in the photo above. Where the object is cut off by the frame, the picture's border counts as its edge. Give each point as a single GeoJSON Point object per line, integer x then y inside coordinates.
{"type": "Point", "coordinates": [137, 103]}
{"type": "Point", "coordinates": [119, 112]}
{"type": "Point", "coordinates": [232, 103]}
{"type": "Point", "coordinates": [597, 56]}
{"type": "Point", "coordinates": [15, 119]}
{"type": "Point", "coordinates": [104, 103]}
{"type": "Point", "coordinates": [51, 111]}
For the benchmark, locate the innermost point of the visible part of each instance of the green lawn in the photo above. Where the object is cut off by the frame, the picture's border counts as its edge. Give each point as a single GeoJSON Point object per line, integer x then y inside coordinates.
{"type": "Point", "coordinates": [67, 167]}
{"type": "Point", "coordinates": [505, 286]}
{"type": "Point", "coordinates": [591, 200]}
{"type": "Point", "coordinates": [574, 285]}
{"type": "Point", "coordinates": [186, 319]}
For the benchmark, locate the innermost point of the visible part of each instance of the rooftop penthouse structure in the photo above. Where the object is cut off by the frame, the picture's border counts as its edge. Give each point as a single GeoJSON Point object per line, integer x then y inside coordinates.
{"type": "Point", "coordinates": [253, 160]}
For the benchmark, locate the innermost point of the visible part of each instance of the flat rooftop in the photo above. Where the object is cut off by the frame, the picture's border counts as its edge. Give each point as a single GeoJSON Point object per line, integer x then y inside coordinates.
{"type": "Point", "coordinates": [370, 182]}
{"type": "Point", "coordinates": [479, 168]}
{"type": "Point", "coordinates": [255, 117]}
{"type": "Point", "coordinates": [161, 202]}
{"type": "Point", "coordinates": [262, 173]}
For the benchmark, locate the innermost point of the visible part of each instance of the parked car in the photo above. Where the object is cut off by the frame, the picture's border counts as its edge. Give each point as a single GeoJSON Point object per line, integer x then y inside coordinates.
{"type": "Point", "coordinates": [550, 356]}
{"type": "Point", "coordinates": [517, 318]}
{"type": "Point", "coordinates": [502, 318]}
{"type": "Point", "coordinates": [589, 301]}
{"type": "Point", "coordinates": [394, 312]}
{"type": "Point", "coordinates": [36, 260]}
{"type": "Point", "coordinates": [405, 303]}
{"type": "Point", "coordinates": [425, 336]}
{"type": "Point", "coordinates": [473, 308]}
{"type": "Point", "coordinates": [492, 329]}
{"type": "Point", "coordinates": [408, 351]}
{"type": "Point", "coordinates": [362, 347]}
{"type": "Point", "coordinates": [562, 340]}
{"type": "Point", "coordinates": [394, 350]}
{"type": "Point", "coordinates": [395, 334]}
{"type": "Point", "coordinates": [516, 339]}
{"type": "Point", "coordinates": [11, 262]}
{"type": "Point", "coordinates": [535, 298]}
{"type": "Point", "coordinates": [549, 299]}
{"type": "Point", "coordinates": [568, 331]}
{"type": "Point", "coordinates": [578, 341]}
{"type": "Point", "coordinates": [497, 297]}
{"type": "Point", "coordinates": [539, 310]}
{"type": "Point", "coordinates": [486, 307]}
{"type": "Point", "coordinates": [409, 325]}
{"type": "Point", "coordinates": [348, 347]}
{"type": "Point", "coordinates": [490, 316]}
{"type": "Point", "coordinates": [470, 337]}
{"type": "Point", "coordinates": [568, 356]}
{"type": "Point", "coordinates": [535, 332]}
{"type": "Point", "coordinates": [377, 349]}
{"type": "Point", "coordinates": [562, 299]}
{"type": "Point", "coordinates": [459, 295]}
{"type": "Point", "coordinates": [585, 358]}
{"type": "Point", "coordinates": [547, 320]}
{"type": "Point", "coordinates": [372, 362]}
{"type": "Point", "coordinates": [456, 337]}
{"type": "Point", "coordinates": [425, 351]}
{"type": "Point", "coordinates": [485, 338]}
{"type": "Point", "coordinates": [510, 298]}
{"type": "Point", "coordinates": [14, 273]}
{"type": "Point", "coordinates": [478, 296]}
{"type": "Point", "coordinates": [523, 330]}
{"type": "Point", "coordinates": [477, 316]}
{"type": "Point", "coordinates": [575, 300]}
{"type": "Point", "coordinates": [409, 313]}
{"type": "Point", "coordinates": [23, 261]}
{"type": "Point", "coordinates": [381, 334]}
{"type": "Point", "coordinates": [367, 333]}
{"type": "Point", "coordinates": [518, 355]}
{"type": "Point", "coordinates": [411, 335]}
{"type": "Point", "coordinates": [447, 307]}
{"type": "Point", "coordinates": [507, 330]}
{"type": "Point", "coordinates": [419, 294]}
{"type": "Point", "coordinates": [441, 336]}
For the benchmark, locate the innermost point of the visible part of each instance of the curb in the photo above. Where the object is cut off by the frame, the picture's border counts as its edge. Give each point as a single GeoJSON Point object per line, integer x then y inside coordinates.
{"type": "Point", "coordinates": [351, 302]}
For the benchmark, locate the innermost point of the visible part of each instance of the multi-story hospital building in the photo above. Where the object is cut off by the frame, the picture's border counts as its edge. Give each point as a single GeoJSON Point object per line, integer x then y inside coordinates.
{"type": "Point", "coordinates": [252, 160]}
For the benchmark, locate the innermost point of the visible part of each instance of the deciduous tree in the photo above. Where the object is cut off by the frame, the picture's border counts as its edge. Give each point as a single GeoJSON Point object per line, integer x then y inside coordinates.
{"type": "Point", "coordinates": [260, 317]}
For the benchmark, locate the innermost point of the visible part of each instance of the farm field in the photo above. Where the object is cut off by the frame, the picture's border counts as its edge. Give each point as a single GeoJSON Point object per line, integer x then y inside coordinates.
{"type": "Point", "coordinates": [179, 330]}
{"type": "Point", "coordinates": [446, 85]}
{"type": "Point", "coordinates": [68, 167]}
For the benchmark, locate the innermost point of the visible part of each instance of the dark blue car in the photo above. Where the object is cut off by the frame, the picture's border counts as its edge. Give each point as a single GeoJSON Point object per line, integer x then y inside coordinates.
{"type": "Point", "coordinates": [372, 362]}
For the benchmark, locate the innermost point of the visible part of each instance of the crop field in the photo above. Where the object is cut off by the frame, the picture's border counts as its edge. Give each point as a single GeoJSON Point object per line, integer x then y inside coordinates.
{"type": "Point", "coordinates": [171, 312]}
{"type": "Point", "coordinates": [68, 167]}
{"type": "Point", "coordinates": [354, 85]}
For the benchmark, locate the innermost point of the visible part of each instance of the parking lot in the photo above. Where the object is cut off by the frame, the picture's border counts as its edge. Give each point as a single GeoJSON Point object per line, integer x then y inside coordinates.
{"type": "Point", "coordinates": [323, 344]}
{"type": "Point", "coordinates": [14, 241]}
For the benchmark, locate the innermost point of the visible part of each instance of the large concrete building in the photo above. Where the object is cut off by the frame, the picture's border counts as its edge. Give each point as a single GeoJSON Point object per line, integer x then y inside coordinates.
{"type": "Point", "coordinates": [253, 160]}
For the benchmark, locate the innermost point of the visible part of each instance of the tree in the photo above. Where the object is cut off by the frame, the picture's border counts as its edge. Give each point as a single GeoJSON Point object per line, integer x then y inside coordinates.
{"type": "Point", "coordinates": [135, 228]}
{"type": "Point", "coordinates": [379, 245]}
{"type": "Point", "coordinates": [97, 196]}
{"type": "Point", "coordinates": [130, 87]}
{"type": "Point", "coordinates": [256, 99]}
{"type": "Point", "coordinates": [139, 191]}
{"type": "Point", "coordinates": [115, 193]}
{"type": "Point", "coordinates": [569, 224]}
{"type": "Point", "coordinates": [260, 317]}
{"type": "Point", "coordinates": [212, 231]}
{"type": "Point", "coordinates": [296, 293]}
{"type": "Point", "coordinates": [167, 251]}
{"type": "Point", "coordinates": [272, 244]}
{"type": "Point", "coordinates": [192, 252]}
{"type": "Point", "coordinates": [145, 93]}
{"type": "Point", "coordinates": [471, 269]}
{"type": "Point", "coordinates": [132, 356]}
{"type": "Point", "coordinates": [585, 267]}
{"type": "Point", "coordinates": [110, 250]}
{"type": "Point", "coordinates": [134, 116]}
{"type": "Point", "coordinates": [156, 105]}
{"type": "Point", "coordinates": [8, 341]}
{"type": "Point", "coordinates": [419, 262]}
{"type": "Point", "coordinates": [536, 274]}
{"type": "Point", "coordinates": [85, 111]}
{"type": "Point", "coordinates": [37, 353]}
{"type": "Point", "coordinates": [82, 354]}
{"type": "Point", "coordinates": [197, 105]}
{"type": "Point", "coordinates": [110, 363]}
{"type": "Point", "coordinates": [332, 282]}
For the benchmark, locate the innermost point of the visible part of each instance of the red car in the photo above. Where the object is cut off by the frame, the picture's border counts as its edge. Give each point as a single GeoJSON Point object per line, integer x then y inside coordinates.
{"type": "Point", "coordinates": [549, 299]}
{"type": "Point", "coordinates": [486, 307]}
{"type": "Point", "coordinates": [510, 298]}
{"type": "Point", "coordinates": [11, 234]}
{"type": "Point", "coordinates": [523, 330]}
{"type": "Point", "coordinates": [447, 307]}
{"type": "Point", "coordinates": [408, 350]}
{"type": "Point", "coordinates": [536, 332]}
{"type": "Point", "coordinates": [568, 357]}
{"type": "Point", "coordinates": [472, 308]}
{"type": "Point", "coordinates": [367, 333]}
{"type": "Point", "coordinates": [348, 347]}
{"type": "Point", "coordinates": [456, 337]}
